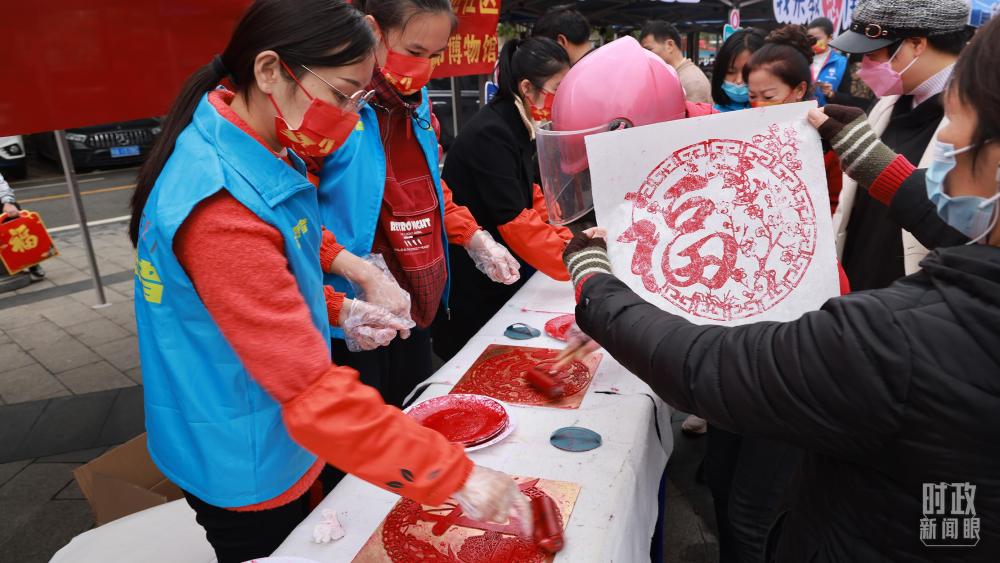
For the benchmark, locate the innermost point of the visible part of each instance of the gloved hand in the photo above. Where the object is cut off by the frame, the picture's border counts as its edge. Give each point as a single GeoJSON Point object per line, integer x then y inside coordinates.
{"type": "Point", "coordinates": [492, 258]}
{"type": "Point", "coordinates": [375, 284]}
{"type": "Point", "coordinates": [10, 210]}
{"type": "Point", "coordinates": [586, 255]}
{"type": "Point", "coordinates": [863, 156]}
{"type": "Point", "coordinates": [367, 326]}
{"type": "Point", "coordinates": [493, 496]}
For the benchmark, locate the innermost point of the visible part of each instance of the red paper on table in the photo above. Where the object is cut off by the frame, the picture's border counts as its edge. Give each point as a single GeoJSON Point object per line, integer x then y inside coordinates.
{"type": "Point", "coordinates": [24, 242]}
{"type": "Point", "coordinates": [415, 532]}
{"type": "Point", "coordinates": [472, 49]}
{"type": "Point", "coordinates": [499, 373]}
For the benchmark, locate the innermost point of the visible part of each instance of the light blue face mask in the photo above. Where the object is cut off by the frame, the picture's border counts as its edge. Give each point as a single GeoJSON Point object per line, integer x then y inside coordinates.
{"type": "Point", "coordinates": [738, 93]}
{"type": "Point", "coordinates": [972, 216]}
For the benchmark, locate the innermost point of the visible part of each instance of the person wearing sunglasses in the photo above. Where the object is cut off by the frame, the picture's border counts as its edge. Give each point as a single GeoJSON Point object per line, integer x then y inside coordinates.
{"type": "Point", "coordinates": [244, 409]}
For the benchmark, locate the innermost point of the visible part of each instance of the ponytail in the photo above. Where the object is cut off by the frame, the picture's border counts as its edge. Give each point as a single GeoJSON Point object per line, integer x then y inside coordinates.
{"type": "Point", "coordinates": [535, 59]}
{"type": "Point", "coordinates": [315, 33]}
{"type": "Point", "coordinates": [203, 80]}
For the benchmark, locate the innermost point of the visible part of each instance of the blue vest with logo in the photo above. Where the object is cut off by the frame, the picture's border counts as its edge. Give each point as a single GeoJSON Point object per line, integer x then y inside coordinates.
{"type": "Point", "coordinates": [832, 73]}
{"type": "Point", "coordinates": [352, 183]}
{"type": "Point", "coordinates": [212, 429]}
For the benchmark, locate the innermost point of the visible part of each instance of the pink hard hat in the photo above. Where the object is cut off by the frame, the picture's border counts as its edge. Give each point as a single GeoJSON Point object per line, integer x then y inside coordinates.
{"type": "Point", "coordinates": [620, 81]}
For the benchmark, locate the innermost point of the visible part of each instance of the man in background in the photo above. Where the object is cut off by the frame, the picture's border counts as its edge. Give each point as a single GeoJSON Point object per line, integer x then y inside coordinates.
{"type": "Point", "coordinates": [663, 40]}
{"type": "Point", "coordinates": [568, 27]}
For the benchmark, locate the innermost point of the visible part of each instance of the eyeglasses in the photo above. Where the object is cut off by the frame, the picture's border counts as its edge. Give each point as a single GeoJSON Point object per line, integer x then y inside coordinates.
{"type": "Point", "coordinates": [355, 101]}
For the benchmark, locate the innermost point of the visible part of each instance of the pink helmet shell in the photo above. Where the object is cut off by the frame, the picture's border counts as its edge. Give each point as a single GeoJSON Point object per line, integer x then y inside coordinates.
{"type": "Point", "coordinates": [621, 80]}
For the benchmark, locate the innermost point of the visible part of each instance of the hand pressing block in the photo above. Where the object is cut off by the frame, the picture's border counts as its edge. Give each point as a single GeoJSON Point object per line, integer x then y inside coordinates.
{"type": "Point", "coordinates": [545, 383]}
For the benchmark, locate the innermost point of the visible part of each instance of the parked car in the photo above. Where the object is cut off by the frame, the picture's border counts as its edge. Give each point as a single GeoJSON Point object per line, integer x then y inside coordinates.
{"type": "Point", "coordinates": [13, 165]}
{"type": "Point", "coordinates": [103, 146]}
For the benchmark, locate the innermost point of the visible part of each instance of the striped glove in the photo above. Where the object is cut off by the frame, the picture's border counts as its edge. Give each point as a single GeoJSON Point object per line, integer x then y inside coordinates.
{"type": "Point", "coordinates": [863, 155]}
{"type": "Point", "coordinates": [584, 257]}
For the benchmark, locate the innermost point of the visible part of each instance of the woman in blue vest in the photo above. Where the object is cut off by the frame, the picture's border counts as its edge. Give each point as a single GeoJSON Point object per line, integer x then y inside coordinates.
{"type": "Point", "coordinates": [387, 197]}
{"type": "Point", "coordinates": [828, 66]}
{"type": "Point", "coordinates": [243, 407]}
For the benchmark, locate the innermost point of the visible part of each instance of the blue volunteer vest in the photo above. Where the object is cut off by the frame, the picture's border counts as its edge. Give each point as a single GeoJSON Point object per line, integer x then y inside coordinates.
{"type": "Point", "coordinates": [212, 429]}
{"type": "Point", "coordinates": [352, 183]}
{"type": "Point", "coordinates": [833, 73]}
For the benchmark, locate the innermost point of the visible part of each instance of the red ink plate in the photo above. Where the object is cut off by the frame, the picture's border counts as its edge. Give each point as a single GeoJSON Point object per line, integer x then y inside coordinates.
{"type": "Point", "coordinates": [557, 327]}
{"type": "Point", "coordinates": [468, 420]}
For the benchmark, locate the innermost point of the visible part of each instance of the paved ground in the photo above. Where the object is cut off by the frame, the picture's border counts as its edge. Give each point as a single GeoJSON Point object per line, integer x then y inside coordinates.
{"type": "Point", "coordinates": [53, 342]}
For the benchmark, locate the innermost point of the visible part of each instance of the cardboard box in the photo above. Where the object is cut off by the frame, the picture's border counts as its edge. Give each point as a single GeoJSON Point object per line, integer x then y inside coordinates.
{"type": "Point", "coordinates": [124, 481]}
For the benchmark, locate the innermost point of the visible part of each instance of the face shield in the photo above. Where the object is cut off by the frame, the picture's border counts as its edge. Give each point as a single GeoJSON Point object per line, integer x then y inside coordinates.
{"type": "Point", "coordinates": [562, 160]}
{"type": "Point", "coordinates": [618, 85]}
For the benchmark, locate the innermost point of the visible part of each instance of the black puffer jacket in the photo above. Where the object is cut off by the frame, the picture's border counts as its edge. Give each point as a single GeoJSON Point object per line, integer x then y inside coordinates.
{"type": "Point", "coordinates": [886, 390]}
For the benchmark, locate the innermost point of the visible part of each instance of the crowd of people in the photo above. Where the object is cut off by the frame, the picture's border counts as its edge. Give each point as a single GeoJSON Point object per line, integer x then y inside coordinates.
{"type": "Point", "coordinates": [302, 253]}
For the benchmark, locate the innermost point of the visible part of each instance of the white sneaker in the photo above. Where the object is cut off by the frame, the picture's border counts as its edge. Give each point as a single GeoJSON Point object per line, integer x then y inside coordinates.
{"type": "Point", "coordinates": [694, 425]}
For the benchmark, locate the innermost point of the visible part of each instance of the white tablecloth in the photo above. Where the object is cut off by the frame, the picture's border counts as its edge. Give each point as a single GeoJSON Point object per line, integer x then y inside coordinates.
{"type": "Point", "coordinates": [167, 533]}
{"type": "Point", "coordinates": [615, 514]}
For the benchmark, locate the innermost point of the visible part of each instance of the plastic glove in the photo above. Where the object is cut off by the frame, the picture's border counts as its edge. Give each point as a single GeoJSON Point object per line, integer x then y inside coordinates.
{"type": "Point", "coordinates": [377, 286]}
{"type": "Point", "coordinates": [329, 529]}
{"type": "Point", "coordinates": [367, 326]}
{"type": "Point", "coordinates": [493, 259]}
{"type": "Point", "coordinates": [490, 495]}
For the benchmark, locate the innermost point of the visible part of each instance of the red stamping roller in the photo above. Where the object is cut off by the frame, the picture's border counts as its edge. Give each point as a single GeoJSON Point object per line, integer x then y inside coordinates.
{"type": "Point", "coordinates": [545, 383]}
{"type": "Point", "coordinates": [548, 526]}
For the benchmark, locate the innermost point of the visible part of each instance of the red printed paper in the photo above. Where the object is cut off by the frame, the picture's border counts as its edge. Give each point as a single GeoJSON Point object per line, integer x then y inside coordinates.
{"type": "Point", "coordinates": [24, 242]}
{"type": "Point", "coordinates": [723, 219]}
{"type": "Point", "coordinates": [414, 532]}
{"type": "Point", "coordinates": [499, 373]}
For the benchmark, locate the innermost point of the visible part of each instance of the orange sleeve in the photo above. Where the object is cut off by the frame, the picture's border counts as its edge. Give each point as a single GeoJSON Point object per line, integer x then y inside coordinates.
{"type": "Point", "coordinates": [345, 422]}
{"type": "Point", "coordinates": [238, 266]}
{"type": "Point", "coordinates": [458, 221]}
{"type": "Point", "coordinates": [538, 203]}
{"type": "Point", "coordinates": [538, 243]}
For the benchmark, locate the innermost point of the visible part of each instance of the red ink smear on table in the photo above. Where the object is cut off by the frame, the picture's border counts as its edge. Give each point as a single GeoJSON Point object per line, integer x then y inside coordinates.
{"type": "Point", "coordinates": [732, 257]}
{"type": "Point", "coordinates": [412, 532]}
{"type": "Point", "coordinates": [500, 373]}
{"type": "Point", "coordinates": [557, 327]}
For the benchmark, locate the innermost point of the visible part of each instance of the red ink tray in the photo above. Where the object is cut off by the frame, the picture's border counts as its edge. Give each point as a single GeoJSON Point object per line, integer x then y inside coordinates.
{"type": "Point", "coordinates": [469, 420]}
{"type": "Point", "coordinates": [558, 326]}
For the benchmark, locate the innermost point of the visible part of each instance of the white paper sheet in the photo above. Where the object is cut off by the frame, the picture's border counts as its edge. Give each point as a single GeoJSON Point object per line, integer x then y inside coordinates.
{"type": "Point", "coordinates": [724, 219]}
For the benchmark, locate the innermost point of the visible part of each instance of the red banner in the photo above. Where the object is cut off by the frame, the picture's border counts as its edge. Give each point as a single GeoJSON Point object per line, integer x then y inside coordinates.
{"type": "Point", "coordinates": [473, 48]}
{"type": "Point", "coordinates": [24, 242]}
{"type": "Point", "coordinates": [69, 63]}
